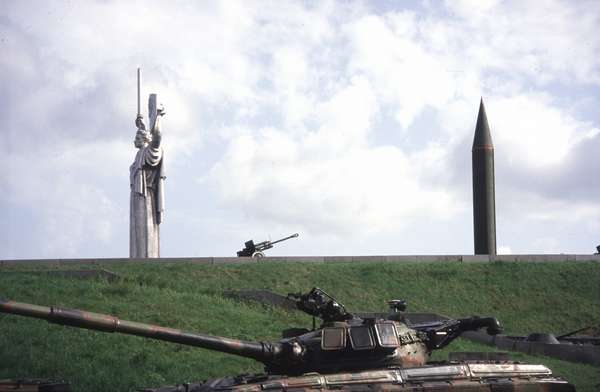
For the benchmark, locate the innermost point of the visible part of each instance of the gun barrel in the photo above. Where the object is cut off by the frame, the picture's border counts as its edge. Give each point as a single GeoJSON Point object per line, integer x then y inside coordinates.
{"type": "Point", "coordinates": [474, 323]}
{"type": "Point", "coordinates": [260, 351]}
{"type": "Point", "coordinates": [286, 238]}
{"type": "Point", "coordinates": [565, 335]}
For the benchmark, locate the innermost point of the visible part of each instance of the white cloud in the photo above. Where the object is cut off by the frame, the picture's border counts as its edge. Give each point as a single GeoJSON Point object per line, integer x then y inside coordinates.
{"type": "Point", "coordinates": [543, 41]}
{"type": "Point", "coordinates": [555, 211]}
{"type": "Point", "coordinates": [394, 69]}
{"type": "Point", "coordinates": [64, 188]}
{"type": "Point", "coordinates": [531, 131]}
{"type": "Point", "coordinates": [536, 223]}
{"type": "Point", "coordinates": [403, 69]}
{"type": "Point", "coordinates": [305, 113]}
{"type": "Point", "coordinates": [331, 179]}
{"type": "Point", "coordinates": [362, 191]}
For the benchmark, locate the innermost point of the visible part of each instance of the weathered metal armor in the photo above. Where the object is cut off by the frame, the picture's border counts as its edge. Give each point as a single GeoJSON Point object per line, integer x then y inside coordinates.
{"type": "Point", "coordinates": [346, 352]}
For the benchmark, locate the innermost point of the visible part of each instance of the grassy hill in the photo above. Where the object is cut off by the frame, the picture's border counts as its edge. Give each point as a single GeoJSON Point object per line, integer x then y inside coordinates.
{"type": "Point", "coordinates": [526, 297]}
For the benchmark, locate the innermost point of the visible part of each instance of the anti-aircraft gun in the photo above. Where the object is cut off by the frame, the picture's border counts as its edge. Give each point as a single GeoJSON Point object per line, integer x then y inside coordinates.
{"type": "Point", "coordinates": [345, 352]}
{"type": "Point", "coordinates": [256, 250]}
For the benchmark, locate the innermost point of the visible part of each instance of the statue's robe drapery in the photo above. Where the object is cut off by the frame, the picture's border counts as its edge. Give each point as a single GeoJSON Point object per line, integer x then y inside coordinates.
{"type": "Point", "coordinates": [147, 202]}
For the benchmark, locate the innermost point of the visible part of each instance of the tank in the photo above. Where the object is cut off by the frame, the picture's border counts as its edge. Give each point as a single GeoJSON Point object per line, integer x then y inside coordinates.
{"type": "Point", "coordinates": [345, 351]}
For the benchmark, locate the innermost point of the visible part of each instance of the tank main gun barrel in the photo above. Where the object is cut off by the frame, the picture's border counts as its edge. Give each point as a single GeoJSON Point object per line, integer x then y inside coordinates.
{"type": "Point", "coordinates": [264, 352]}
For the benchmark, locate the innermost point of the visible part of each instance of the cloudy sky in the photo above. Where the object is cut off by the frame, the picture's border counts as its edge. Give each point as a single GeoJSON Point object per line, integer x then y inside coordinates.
{"type": "Point", "coordinates": [348, 122]}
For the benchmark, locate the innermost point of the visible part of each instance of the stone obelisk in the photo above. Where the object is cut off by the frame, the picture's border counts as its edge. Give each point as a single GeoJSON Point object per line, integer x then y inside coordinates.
{"type": "Point", "coordinates": [484, 204]}
{"type": "Point", "coordinates": [146, 181]}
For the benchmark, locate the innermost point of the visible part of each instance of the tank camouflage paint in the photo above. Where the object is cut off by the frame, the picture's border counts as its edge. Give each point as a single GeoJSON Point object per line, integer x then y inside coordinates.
{"type": "Point", "coordinates": [346, 352]}
{"type": "Point", "coordinates": [463, 377]}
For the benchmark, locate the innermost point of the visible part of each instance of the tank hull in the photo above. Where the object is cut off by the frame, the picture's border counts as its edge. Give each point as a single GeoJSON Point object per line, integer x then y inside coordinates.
{"type": "Point", "coordinates": [456, 377]}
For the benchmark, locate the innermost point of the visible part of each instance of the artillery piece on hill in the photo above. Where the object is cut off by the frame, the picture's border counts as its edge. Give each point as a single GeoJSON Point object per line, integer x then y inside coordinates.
{"type": "Point", "coordinates": [257, 250]}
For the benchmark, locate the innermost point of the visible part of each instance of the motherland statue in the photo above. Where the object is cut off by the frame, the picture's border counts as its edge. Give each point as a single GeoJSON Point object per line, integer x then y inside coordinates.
{"type": "Point", "coordinates": [146, 179]}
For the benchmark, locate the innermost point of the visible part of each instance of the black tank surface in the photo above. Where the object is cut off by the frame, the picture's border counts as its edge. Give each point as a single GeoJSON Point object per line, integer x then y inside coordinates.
{"type": "Point", "coordinates": [346, 352]}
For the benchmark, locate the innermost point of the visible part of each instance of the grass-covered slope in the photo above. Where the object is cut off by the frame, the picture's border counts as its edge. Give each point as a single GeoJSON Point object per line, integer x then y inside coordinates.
{"type": "Point", "coordinates": [526, 297]}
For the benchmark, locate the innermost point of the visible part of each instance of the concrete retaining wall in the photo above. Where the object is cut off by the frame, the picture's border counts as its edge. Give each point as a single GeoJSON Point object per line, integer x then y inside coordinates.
{"type": "Point", "coordinates": [325, 259]}
{"type": "Point", "coordinates": [584, 353]}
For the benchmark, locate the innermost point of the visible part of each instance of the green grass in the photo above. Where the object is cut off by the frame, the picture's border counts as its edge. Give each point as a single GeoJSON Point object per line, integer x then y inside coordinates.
{"type": "Point", "coordinates": [526, 297]}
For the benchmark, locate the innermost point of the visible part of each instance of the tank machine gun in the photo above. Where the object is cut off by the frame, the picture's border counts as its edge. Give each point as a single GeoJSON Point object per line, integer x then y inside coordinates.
{"type": "Point", "coordinates": [380, 351]}
{"type": "Point", "coordinates": [256, 250]}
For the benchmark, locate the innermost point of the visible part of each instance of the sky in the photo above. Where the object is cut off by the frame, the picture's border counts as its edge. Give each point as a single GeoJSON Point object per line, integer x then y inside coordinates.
{"type": "Point", "coordinates": [348, 122]}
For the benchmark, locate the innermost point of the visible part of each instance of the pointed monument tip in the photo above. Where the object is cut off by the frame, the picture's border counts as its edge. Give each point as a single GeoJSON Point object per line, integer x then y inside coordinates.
{"type": "Point", "coordinates": [482, 110]}
{"type": "Point", "coordinates": [481, 105]}
{"type": "Point", "coordinates": [482, 139]}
